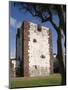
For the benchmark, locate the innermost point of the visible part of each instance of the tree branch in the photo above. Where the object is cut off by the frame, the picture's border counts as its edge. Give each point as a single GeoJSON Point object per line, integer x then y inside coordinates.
{"type": "Point", "coordinates": [54, 25]}
{"type": "Point", "coordinates": [51, 20]}
{"type": "Point", "coordinates": [45, 19]}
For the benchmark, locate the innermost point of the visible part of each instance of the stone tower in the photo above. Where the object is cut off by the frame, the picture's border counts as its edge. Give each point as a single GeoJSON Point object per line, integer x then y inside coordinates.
{"type": "Point", "coordinates": [34, 50]}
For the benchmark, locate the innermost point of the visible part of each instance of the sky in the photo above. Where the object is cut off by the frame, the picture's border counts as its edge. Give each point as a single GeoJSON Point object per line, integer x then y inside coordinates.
{"type": "Point", "coordinates": [17, 17]}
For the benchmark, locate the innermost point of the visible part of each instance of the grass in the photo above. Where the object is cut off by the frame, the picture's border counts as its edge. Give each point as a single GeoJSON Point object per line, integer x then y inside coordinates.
{"type": "Point", "coordinates": [52, 80]}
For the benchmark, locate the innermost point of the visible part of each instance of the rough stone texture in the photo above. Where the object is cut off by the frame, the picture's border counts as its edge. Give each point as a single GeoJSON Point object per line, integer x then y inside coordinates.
{"type": "Point", "coordinates": [26, 47]}
{"type": "Point", "coordinates": [39, 51]}
{"type": "Point", "coordinates": [35, 50]}
{"type": "Point", "coordinates": [51, 51]}
{"type": "Point", "coordinates": [12, 68]}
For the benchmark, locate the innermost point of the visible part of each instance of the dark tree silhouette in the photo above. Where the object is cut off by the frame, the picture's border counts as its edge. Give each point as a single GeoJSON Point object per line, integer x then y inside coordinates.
{"type": "Point", "coordinates": [45, 13]}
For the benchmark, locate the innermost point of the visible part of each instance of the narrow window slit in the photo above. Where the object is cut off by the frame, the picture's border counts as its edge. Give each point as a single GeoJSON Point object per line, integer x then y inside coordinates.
{"type": "Point", "coordinates": [39, 28]}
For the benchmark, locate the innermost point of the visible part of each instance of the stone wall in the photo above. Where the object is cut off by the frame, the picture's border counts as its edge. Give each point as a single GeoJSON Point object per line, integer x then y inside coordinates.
{"type": "Point", "coordinates": [26, 48]}
{"type": "Point", "coordinates": [40, 53]}
{"type": "Point", "coordinates": [35, 50]}
{"type": "Point", "coordinates": [51, 51]}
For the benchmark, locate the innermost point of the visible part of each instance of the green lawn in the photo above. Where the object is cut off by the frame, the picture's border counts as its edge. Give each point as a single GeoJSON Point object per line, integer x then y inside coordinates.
{"type": "Point", "coordinates": [52, 80]}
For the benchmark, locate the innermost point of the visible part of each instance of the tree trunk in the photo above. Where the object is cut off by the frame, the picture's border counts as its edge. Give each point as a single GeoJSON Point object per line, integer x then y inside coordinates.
{"type": "Point", "coordinates": [62, 19]}
{"type": "Point", "coordinates": [60, 58]}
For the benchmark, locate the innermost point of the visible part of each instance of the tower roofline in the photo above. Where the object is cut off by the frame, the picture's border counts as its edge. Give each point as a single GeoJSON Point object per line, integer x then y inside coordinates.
{"type": "Point", "coordinates": [43, 27]}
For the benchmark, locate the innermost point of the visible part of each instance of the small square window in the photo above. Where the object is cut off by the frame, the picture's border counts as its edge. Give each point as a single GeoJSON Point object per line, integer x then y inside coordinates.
{"type": "Point", "coordinates": [34, 40]}
{"type": "Point", "coordinates": [42, 56]}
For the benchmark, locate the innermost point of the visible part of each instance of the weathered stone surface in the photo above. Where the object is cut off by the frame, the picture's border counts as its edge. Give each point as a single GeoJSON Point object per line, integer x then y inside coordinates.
{"type": "Point", "coordinates": [26, 48]}
{"type": "Point", "coordinates": [37, 57]}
